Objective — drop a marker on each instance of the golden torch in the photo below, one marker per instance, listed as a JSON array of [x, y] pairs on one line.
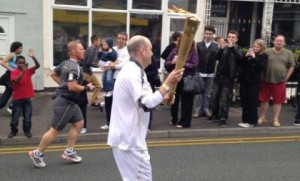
[[190, 28]]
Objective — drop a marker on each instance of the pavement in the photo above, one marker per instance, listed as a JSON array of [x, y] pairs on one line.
[[42, 114]]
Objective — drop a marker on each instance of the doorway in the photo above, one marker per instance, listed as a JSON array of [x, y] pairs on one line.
[[7, 33]]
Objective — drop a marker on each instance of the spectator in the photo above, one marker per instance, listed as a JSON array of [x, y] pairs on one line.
[[228, 56], [122, 59], [153, 79], [82, 103], [9, 62], [106, 55], [207, 51], [22, 92], [91, 60], [280, 67], [175, 39], [176, 36], [252, 66], [185, 98]]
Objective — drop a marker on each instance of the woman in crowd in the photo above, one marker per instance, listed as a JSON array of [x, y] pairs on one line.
[[252, 67], [9, 62], [186, 98]]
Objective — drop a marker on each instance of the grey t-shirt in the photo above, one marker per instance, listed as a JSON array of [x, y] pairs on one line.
[[64, 69], [278, 65]]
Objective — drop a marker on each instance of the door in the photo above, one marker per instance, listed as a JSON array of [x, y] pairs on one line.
[[6, 37]]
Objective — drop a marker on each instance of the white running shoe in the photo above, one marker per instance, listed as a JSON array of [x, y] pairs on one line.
[[102, 104], [9, 110], [73, 157], [108, 94], [83, 130], [38, 161], [105, 127], [241, 124], [246, 125]]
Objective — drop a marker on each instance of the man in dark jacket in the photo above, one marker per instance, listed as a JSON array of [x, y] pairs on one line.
[[91, 60], [228, 56], [207, 51]]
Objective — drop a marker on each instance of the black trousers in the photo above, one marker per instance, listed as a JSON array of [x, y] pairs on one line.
[[222, 90], [249, 99], [5, 81], [83, 108], [108, 105], [186, 107]]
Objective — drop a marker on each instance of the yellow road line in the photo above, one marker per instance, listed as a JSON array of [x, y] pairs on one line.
[[164, 143]]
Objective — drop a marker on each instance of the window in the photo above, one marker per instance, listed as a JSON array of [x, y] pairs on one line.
[[1, 30], [219, 8], [68, 25], [72, 2], [286, 19], [108, 24], [110, 4], [180, 6], [146, 4], [148, 25]]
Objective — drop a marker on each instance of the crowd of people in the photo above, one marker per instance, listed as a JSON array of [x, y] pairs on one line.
[[259, 74], [132, 88]]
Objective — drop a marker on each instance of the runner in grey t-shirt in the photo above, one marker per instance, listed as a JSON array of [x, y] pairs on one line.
[[67, 70], [65, 107]]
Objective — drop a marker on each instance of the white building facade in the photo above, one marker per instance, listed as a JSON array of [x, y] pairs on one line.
[[48, 25]]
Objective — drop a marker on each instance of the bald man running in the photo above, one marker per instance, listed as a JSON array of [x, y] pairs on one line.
[[66, 110]]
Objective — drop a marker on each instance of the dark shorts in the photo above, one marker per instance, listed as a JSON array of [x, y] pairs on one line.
[[65, 112], [276, 91]]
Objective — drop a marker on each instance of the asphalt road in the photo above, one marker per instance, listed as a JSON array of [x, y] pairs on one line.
[[235, 161]]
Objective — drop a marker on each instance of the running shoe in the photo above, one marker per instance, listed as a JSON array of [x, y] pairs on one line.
[[73, 157], [38, 161]]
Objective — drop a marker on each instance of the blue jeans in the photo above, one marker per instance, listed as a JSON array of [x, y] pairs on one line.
[[25, 106], [5, 81], [203, 100], [108, 80]]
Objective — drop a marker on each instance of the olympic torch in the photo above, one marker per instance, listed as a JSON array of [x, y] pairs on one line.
[[190, 28]]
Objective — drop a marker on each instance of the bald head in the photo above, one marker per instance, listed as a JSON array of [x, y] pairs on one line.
[[140, 48], [137, 42], [72, 45], [75, 50]]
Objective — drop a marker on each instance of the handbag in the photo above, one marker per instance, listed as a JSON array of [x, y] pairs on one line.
[[193, 84]]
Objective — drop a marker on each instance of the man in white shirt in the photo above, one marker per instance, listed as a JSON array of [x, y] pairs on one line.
[[122, 58], [133, 98]]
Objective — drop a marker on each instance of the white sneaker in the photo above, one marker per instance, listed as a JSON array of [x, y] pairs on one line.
[[102, 104], [108, 94], [9, 110], [105, 127], [71, 156], [246, 125], [83, 130], [241, 124]]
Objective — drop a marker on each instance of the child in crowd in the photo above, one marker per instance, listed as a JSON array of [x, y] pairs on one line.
[[106, 55], [22, 92]]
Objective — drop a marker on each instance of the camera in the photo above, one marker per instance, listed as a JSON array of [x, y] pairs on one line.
[[226, 40], [250, 49]]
